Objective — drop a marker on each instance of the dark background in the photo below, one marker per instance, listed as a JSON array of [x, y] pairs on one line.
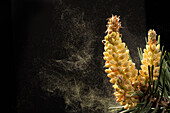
[[57, 57]]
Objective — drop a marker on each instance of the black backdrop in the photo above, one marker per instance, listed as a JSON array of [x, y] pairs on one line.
[[57, 50]]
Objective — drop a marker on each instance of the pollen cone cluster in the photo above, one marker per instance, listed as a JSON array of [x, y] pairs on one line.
[[151, 56], [120, 69]]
